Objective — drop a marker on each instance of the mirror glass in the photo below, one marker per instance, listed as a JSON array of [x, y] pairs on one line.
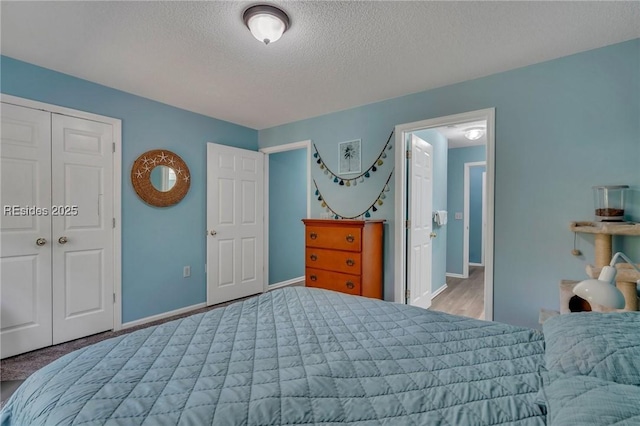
[[163, 178]]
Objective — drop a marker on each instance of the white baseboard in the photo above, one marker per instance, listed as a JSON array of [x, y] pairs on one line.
[[455, 275], [285, 283], [438, 291], [164, 315], [476, 264]]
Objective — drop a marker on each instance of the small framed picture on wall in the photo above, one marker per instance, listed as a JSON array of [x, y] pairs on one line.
[[349, 157]]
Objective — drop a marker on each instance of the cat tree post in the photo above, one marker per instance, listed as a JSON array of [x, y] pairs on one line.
[[603, 251]]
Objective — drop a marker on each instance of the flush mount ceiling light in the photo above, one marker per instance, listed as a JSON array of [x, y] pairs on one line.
[[474, 133], [266, 23]]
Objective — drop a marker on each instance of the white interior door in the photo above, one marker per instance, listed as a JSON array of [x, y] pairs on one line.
[[235, 223], [25, 246], [82, 234], [419, 191]]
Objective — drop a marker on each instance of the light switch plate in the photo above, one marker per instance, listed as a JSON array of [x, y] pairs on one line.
[[458, 216], [186, 272]]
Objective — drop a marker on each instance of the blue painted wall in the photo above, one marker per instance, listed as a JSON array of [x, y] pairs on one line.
[[554, 121], [156, 242], [455, 198], [287, 208], [439, 244], [475, 213]]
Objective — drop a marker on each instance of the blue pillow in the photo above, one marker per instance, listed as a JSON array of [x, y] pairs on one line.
[[603, 345], [584, 401]]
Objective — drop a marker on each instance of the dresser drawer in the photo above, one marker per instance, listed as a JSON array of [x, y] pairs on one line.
[[333, 281], [337, 238], [333, 260]]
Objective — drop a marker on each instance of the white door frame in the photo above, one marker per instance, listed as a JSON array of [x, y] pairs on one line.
[[117, 187], [484, 214], [273, 150], [401, 130], [467, 207]]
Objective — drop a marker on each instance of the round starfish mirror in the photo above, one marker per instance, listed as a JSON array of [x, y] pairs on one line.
[[160, 178]]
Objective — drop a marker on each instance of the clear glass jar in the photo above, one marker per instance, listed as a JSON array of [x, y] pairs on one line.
[[609, 202]]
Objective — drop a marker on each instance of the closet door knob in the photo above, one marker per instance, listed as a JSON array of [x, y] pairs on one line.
[[63, 240], [41, 242], [350, 238]]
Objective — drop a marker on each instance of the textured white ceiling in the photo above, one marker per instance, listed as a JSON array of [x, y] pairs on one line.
[[199, 55]]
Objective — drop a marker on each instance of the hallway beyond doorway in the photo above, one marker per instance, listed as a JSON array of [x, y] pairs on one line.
[[463, 296]]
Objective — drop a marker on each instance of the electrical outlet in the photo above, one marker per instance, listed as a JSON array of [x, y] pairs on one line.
[[186, 272], [458, 216]]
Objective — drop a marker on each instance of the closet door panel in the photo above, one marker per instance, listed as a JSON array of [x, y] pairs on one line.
[[25, 230], [82, 191]]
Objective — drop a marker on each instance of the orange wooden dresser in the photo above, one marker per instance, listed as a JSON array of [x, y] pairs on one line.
[[344, 255]]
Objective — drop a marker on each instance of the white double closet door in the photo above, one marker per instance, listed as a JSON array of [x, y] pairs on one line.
[[56, 248]]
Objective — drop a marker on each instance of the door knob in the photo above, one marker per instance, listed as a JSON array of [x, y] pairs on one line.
[[213, 233], [63, 240], [41, 241], [433, 235]]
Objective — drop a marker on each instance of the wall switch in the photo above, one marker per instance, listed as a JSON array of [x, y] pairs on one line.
[[186, 272], [458, 216]]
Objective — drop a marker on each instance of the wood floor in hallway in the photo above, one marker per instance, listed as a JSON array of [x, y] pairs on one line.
[[463, 296]]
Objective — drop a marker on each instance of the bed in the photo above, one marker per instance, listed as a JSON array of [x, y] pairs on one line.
[[300, 356]]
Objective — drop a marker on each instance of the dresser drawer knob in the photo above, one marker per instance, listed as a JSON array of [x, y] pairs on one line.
[[350, 262], [313, 278], [350, 285], [313, 257], [313, 235], [350, 238]]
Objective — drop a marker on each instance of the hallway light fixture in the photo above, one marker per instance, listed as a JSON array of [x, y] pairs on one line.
[[474, 133], [603, 291], [267, 23]]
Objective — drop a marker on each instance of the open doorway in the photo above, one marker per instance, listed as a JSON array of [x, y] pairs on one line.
[[462, 231], [287, 201]]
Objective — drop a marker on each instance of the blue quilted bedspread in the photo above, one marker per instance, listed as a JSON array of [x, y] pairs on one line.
[[295, 356]]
